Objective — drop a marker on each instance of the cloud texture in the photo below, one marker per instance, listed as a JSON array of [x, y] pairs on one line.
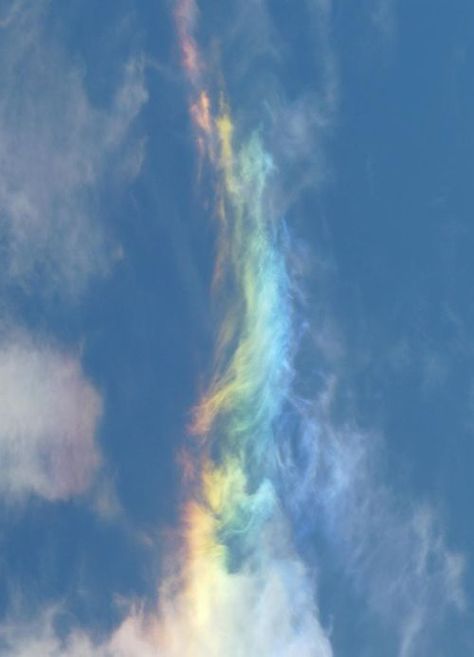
[[55, 148], [49, 414], [273, 475]]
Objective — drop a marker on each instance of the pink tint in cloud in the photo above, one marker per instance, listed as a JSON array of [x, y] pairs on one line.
[[49, 413]]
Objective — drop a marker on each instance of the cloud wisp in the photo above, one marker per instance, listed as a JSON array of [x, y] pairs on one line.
[[55, 148], [242, 472], [267, 469], [238, 586], [390, 550]]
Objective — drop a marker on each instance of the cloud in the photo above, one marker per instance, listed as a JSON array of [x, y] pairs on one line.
[[301, 125], [392, 549], [56, 149], [11, 13], [383, 18], [49, 413], [40, 639], [264, 609]]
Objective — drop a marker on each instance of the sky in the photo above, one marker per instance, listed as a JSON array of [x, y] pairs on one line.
[[237, 402]]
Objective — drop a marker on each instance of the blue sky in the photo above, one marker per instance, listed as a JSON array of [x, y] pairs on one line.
[[106, 340]]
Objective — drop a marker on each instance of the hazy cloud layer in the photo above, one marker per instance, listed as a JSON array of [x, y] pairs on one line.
[[55, 148]]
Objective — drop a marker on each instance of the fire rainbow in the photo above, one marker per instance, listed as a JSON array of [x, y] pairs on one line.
[[238, 560]]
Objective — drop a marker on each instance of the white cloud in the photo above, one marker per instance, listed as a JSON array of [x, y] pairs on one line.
[[39, 639], [392, 547], [266, 608], [48, 421], [56, 147]]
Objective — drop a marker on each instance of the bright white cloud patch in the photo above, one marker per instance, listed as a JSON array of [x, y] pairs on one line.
[[55, 148], [269, 611], [48, 421], [266, 609]]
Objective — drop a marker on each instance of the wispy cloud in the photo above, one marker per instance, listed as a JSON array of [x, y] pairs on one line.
[[392, 549], [49, 414], [56, 148], [267, 609]]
